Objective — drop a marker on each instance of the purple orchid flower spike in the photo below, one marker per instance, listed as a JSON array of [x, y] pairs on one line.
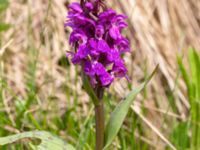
[[98, 41]]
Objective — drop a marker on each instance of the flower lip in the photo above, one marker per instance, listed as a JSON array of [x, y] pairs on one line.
[[89, 6], [99, 31], [108, 14], [79, 37], [114, 32], [75, 7], [123, 45]]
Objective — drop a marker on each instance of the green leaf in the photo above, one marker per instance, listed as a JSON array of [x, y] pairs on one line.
[[3, 5], [195, 68], [48, 141], [180, 136], [4, 27], [186, 77], [194, 61], [118, 115]]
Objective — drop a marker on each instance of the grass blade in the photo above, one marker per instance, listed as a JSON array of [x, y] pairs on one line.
[[195, 97], [185, 76]]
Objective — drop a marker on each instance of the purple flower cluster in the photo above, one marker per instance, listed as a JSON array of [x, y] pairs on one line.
[[97, 41]]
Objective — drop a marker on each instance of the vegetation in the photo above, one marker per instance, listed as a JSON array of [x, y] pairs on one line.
[[41, 90]]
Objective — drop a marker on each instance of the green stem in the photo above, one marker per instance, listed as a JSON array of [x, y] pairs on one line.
[[99, 116]]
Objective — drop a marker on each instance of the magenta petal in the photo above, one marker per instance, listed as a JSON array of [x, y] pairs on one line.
[[123, 45], [122, 25], [113, 55], [107, 14], [93, 43], [89, 6], [76, 7], [106, 79], [81, 54], [88, 69], [103, 46], [78, 36], [114, 33], [119, 69], [99, 68], [99, 31]]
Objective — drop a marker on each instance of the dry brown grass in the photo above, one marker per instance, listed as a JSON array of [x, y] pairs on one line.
[[158, 29]]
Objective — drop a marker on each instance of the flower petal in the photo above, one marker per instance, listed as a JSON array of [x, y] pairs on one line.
[[115, 33], [106, 79], [103, 46]]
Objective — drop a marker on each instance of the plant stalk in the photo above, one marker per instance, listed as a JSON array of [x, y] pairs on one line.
[[99, 118]]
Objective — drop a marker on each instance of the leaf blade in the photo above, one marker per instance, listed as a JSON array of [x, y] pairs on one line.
[[121, 110], [49, 141]]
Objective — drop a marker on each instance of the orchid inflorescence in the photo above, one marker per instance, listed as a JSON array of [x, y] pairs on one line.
[[97, 41]]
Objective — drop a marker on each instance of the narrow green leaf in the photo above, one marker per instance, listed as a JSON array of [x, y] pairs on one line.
[[4, 27], [180, 136], [186, 77], [195, 82], [118, 115], [192, 61], [48, 141], [195, 68]]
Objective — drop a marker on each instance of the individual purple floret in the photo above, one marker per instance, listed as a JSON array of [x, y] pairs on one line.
[[97, 41]]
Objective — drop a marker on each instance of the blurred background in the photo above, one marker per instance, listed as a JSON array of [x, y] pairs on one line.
[[41, 89]]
